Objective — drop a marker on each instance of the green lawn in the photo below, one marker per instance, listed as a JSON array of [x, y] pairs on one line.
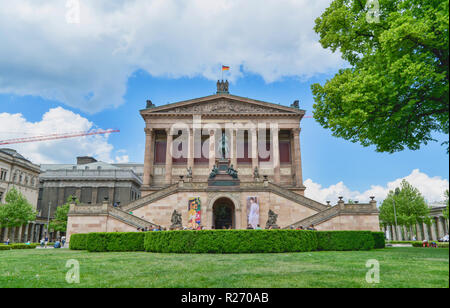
[[399, 267]]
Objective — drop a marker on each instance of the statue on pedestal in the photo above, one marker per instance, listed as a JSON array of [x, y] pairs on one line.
[[189, 173], [232, 172], [272, 220], [176, 220], [214, 172], [256, 174]]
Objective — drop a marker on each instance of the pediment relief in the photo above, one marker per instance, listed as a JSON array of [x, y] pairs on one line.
[[222, 106]]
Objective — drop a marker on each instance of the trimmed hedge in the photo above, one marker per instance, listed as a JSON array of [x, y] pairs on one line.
[[116, 241], [345, 240], [18, 246], [439, 244], [380, 240], [230, 241], [78, 241]]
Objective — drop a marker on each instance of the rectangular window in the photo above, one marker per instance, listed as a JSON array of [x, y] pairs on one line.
[[160, 152], [285, 152]]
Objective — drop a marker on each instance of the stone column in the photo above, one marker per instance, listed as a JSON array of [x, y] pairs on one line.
[[440, 227], [32, 232], [255, 161], [433, 229], [212, 149], [399, 233], [426, 233], [276, 154], [94, 195], [148, 161], [6, 234], [25, 235], [297, 157], [169, 156], [419, 232], [190, 158], [233, 152]]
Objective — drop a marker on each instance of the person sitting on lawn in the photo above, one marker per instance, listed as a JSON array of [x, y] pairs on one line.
[[57, 244]]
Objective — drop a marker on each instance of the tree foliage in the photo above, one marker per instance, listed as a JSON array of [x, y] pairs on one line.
[[59, 223], [395, 93], [445, 213], [17, 211], [410, 207]]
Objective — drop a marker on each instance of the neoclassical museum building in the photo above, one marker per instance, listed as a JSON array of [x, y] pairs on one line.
[[222, 161]]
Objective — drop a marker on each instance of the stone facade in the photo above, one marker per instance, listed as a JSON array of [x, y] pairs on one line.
[[89, 181], [18, 172], [186, 141]]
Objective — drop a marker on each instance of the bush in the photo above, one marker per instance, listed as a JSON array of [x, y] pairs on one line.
[[345, 240], [18, 246], [230, 241], [117, 241], [78, 241], [380, 241], [439, 244]]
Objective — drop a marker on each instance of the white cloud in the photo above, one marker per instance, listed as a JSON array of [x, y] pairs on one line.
[[56, 121], [87, 65], [432, 188]]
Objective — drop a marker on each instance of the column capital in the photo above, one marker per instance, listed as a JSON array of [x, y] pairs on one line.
[[148, 130], [296, 130]]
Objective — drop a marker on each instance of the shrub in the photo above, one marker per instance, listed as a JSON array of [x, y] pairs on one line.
[[18, 246], [78, 241], [439, 244], [380, 241], [117, 241], [230, 241], [345, 240]]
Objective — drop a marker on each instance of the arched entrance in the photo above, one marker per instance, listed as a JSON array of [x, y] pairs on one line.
[[223, 214]]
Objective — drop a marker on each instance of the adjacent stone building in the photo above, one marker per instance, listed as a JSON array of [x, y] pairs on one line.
[[18, 172], [90, 181], [223, 161]]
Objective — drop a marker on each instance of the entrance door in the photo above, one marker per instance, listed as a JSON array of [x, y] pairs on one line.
[[223, 214]]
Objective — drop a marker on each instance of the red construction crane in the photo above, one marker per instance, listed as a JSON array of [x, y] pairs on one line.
[[58, 136]]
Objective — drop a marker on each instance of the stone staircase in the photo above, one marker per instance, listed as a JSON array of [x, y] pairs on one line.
[[151, 198], [130, 219], [339, 209], [285, 193], [108, 210]]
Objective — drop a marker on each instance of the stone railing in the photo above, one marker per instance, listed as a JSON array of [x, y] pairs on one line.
[[130, 219], [108, 210], [151, 198], [339, 209], [297, 198]]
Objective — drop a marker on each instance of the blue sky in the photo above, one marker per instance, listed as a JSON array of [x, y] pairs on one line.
[[57, 75]]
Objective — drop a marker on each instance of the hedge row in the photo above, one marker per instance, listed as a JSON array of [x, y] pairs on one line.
[[18, 246], [117, 241], [439, 244], [78, 241], [380, 240], [228, 241]]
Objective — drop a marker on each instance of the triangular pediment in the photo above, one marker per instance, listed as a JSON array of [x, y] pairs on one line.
[[222, 104]]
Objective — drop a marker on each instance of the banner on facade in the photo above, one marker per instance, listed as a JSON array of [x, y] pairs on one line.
[[253, 212], [195, 213]]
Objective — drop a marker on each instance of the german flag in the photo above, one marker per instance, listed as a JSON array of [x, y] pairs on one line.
[[225, 68]]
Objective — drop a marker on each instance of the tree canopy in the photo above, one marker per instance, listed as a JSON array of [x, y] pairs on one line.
[[446, 202], [410, 206], [59, 223], [395, 94], [17, 211]]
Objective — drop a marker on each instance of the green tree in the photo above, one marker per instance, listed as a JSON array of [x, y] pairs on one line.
[[59, 223], [445, 213], [410, 207], [395, 93], [17, 211]]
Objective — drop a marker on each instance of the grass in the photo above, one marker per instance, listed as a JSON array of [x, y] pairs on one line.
[[399, 267]]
